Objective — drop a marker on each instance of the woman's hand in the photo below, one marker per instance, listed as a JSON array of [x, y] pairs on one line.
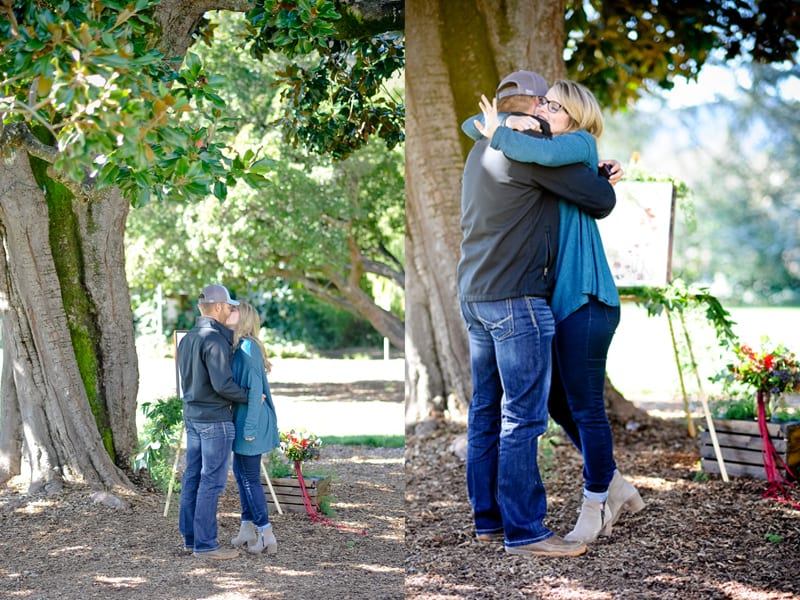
[[490, 119]]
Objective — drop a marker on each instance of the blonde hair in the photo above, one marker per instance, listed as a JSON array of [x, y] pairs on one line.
[[248, 327], [580, 104]]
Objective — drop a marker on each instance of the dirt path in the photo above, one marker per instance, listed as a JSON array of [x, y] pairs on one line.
[[69, 547], [327, 396]]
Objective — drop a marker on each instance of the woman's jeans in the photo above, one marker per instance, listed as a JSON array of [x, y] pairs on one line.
[[576, 400], [510, 353], [247, 471], [208, 451]]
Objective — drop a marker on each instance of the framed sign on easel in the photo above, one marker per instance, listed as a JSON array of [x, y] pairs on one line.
[[638, 241]]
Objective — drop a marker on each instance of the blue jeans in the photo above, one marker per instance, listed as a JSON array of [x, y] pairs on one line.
[[247, 471], [208, 450], [576, 400], [510, 354]]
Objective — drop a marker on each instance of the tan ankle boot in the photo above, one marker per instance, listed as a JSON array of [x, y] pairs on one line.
[[590, 522], [265, 538], [621, 496], [246, 535]]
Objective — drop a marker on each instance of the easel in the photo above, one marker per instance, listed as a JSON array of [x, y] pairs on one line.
[[650, 206], [177, 336]]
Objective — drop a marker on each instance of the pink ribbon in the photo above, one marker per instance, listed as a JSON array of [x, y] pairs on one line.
[[778, 486], [312, 512]]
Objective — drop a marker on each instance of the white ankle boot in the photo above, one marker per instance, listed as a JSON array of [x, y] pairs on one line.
[[590, 522], [265, 538], [621, 496], [247, 534]]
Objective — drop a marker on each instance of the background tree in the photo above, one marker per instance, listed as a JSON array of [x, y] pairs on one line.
[[737, 152], [93, 104], [617, 48], [332, 226]]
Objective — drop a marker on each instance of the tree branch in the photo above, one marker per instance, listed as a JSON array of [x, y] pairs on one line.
[[19, 135]]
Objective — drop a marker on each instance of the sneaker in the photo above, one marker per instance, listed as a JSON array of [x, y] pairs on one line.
[[219, 554], [488, 538], [552, 546]]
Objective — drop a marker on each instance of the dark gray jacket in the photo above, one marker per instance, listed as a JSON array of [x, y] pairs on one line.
[[204, 363], [509, 222]]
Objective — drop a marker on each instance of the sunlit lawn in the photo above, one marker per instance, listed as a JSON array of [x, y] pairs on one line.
[[642, 364]]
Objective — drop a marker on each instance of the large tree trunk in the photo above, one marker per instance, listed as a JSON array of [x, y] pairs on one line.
[[456, 51], [65, 378]]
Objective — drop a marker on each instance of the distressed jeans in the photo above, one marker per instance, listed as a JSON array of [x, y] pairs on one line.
[[576, 400], [208, 452], [511, 358]]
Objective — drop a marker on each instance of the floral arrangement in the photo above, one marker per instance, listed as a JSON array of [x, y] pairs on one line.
[[299, 446], [774, 371]]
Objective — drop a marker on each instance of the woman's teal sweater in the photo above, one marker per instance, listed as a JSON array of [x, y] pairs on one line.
[[257, 419]]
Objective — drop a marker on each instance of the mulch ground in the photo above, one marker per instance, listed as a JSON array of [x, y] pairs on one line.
[[69, 547], [698, 537]]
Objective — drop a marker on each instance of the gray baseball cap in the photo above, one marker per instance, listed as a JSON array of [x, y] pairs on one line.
[[213, 294], [522, 83]]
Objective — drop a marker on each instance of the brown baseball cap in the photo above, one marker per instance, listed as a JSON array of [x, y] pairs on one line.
[[522, 83]]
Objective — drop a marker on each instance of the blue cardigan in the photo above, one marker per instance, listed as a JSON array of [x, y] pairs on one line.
[[257, 419], [581, 265]]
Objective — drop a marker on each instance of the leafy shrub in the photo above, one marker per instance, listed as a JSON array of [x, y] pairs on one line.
[[160, 439]]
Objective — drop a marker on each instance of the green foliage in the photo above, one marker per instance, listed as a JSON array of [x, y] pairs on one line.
[[618, 47], [736, 154], [678, 297], [92, 75], [277, 465], [325, 507], [773, 538], [336, 103], [735, 406], [159, 439], [374, 441], [300, 317]]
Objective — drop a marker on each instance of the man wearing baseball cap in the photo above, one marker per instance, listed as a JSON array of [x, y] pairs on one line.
[[209, 391], [510, 224]]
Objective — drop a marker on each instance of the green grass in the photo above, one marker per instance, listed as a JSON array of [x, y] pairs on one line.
[[375, 441]]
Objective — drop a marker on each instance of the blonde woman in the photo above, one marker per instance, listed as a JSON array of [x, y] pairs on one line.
[[256, 430], [585, 301]]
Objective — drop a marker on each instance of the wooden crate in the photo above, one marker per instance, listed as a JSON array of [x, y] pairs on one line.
[[740, 444], [290, 496]]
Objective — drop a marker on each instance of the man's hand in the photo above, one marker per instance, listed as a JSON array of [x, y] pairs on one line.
[[616, 170], [522, 123]]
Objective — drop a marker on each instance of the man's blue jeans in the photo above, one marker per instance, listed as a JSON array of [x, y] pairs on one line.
[[576, 400], [247, 471], [510, 353], [208, 452]]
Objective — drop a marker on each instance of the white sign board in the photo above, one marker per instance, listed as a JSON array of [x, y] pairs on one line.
[[637, 235]]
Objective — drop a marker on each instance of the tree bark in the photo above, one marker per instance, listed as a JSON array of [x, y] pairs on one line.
[[456, 51], [10, 418], [61, 437]]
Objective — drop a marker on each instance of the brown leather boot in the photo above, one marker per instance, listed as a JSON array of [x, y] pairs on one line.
[[552, 546]]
